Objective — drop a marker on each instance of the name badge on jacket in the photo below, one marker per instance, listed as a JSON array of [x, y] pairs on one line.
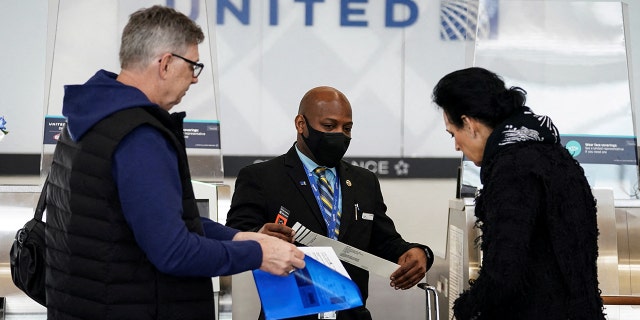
[[328, 315]]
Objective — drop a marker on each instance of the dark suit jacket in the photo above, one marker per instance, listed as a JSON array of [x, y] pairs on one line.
[[262, 188]]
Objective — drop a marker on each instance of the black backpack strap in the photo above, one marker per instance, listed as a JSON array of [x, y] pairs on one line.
[[42, 202]]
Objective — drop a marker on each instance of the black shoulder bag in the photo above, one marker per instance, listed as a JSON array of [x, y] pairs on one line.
[[28, 254]]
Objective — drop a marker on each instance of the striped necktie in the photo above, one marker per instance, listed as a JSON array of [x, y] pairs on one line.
[[326, 197]]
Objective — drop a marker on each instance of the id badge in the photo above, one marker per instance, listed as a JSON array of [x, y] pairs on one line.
[[328, 315]]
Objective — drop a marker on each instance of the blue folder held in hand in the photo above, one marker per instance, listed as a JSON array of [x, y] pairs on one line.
[[314, 289]]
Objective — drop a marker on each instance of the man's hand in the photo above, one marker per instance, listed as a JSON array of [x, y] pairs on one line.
[[413, 266], [279, 257], [279, 231]]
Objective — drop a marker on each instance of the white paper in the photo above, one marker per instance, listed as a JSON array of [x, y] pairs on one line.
[[346, 253], [326, 256]]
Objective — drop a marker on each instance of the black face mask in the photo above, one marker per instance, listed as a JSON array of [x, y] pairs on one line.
[[327, 147]]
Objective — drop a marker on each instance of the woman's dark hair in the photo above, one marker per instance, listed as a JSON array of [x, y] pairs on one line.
[[477, 93]]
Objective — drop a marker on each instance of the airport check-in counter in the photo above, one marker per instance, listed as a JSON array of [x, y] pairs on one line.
[[618, 260], [627, 220], [17, 203]]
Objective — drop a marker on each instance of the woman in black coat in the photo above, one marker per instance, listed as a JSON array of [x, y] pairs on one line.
[[536, 210]]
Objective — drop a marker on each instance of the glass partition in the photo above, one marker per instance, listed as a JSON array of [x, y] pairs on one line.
[[571, 58], [84, 37]]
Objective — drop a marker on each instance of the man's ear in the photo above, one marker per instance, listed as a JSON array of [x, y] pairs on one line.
[[300, 123], [163, 65]]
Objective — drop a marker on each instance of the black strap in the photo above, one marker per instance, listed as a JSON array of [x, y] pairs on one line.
[[42, 202]]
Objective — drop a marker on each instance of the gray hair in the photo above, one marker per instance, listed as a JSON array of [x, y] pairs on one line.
[[153, 31]]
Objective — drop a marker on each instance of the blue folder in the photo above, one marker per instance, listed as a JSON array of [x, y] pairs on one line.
[[314, 289]]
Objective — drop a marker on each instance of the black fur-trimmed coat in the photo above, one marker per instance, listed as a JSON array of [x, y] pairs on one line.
[[539, 229]]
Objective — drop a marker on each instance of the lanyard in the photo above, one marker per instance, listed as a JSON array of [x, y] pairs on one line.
[[330, 218]]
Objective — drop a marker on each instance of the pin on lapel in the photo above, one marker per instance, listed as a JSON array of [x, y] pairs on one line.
[[348, 182], [303, 183]]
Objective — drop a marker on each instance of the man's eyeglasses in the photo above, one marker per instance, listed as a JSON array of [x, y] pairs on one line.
[[197, 66]]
